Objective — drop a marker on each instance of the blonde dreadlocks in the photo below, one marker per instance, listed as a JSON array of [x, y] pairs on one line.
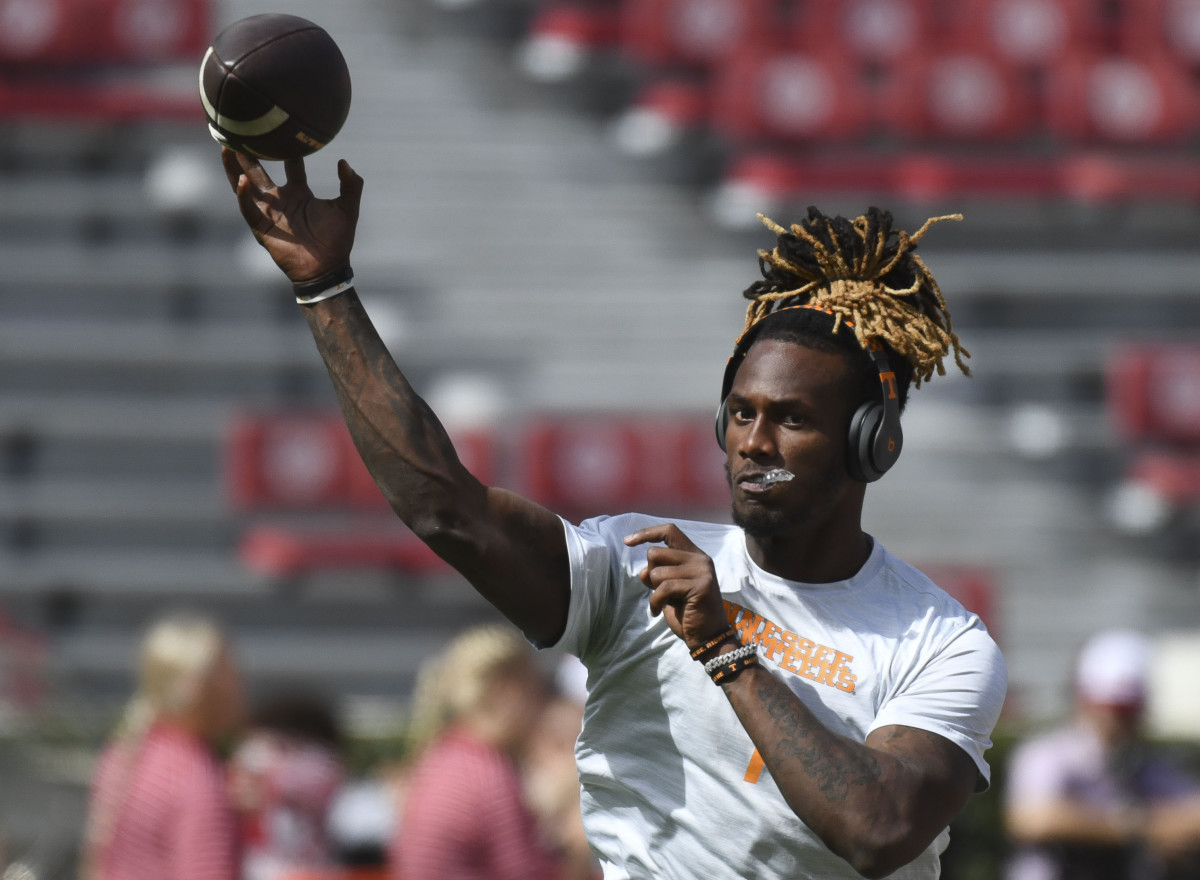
[[867, 274]]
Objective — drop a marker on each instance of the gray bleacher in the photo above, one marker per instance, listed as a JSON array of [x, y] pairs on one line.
[[501, 234]]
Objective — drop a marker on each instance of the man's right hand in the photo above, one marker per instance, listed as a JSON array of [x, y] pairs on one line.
[[307, 237]]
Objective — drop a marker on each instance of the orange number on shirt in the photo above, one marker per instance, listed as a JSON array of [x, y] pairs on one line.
[[755, 769]]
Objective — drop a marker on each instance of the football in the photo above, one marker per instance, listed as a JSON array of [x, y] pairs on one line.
[[274, 87]]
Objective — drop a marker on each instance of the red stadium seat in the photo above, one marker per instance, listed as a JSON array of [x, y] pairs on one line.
[[1172, 477], [1154, 393], [289, 461], [283, 552], [307, 461], [958, 96], [75, 99], [1163, 27], [867, 31], [45, 31], [790, 97], [563, 38], [661, 116], [1028, 33], [73, 32], [1121, 99], [694, 33], [591, 465], [156, 30]]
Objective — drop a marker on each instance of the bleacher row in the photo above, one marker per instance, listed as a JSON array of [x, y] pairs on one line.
[[279, 465], [311, 505], [283, 465], [929, 99]]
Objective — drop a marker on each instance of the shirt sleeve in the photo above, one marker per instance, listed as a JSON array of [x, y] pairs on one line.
[[958, 694], [591, 555]]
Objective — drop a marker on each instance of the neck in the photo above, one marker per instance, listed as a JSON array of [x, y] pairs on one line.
[[822, 557]]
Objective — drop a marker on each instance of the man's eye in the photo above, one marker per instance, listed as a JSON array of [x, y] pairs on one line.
[[741, 415]]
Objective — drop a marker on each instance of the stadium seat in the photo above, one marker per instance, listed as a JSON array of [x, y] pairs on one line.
[[288, 461], [584, 466], [790, 97], [1154, 393], [958, 96], [696, 34], [85, 99], [1168, 28], [1121, 100], [1027, 33], [307, 461], [44, 32], [866, 32], [156, 30], [73, 32], [288, 552], [564, 38]]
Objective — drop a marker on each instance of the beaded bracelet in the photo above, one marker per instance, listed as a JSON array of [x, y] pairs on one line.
[[716, 641]]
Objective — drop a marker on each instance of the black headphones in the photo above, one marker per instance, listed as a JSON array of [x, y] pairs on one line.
[[875, 438]]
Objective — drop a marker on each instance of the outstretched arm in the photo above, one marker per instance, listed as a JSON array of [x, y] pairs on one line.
[[878, 804], [512, 550]]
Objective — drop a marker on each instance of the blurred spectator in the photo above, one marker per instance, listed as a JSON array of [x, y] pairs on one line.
[[159, 808], [284, 777], [465, 815], [1093, 799], [551, 777]]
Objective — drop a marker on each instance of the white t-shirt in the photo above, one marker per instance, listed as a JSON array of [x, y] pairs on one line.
[[672, 785]]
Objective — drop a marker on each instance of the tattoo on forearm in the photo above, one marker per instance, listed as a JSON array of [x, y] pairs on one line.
[[834, 764], [389, 422]]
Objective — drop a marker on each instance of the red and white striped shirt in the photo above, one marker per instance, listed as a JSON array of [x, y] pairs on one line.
[[465, 818], [173, 817]]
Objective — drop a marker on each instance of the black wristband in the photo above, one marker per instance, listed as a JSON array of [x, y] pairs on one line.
[[731, 670], [699, 652], [328, 285]]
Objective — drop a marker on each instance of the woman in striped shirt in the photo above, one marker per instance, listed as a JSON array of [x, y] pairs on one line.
[[159, 808]]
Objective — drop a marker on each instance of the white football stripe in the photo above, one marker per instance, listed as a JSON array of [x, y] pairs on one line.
[[264, 124]]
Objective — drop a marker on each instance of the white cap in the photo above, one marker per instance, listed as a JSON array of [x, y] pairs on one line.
[[1113, 667]]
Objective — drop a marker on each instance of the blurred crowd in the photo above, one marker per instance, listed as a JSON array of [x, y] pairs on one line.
[[195, 784]]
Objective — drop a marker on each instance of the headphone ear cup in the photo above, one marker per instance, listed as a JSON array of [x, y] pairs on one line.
[[722, 424], [864, 427]]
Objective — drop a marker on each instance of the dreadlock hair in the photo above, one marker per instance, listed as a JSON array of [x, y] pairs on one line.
[[867, 276]]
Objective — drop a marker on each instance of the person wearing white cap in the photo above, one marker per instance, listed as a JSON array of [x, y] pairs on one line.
[[1092, 799]]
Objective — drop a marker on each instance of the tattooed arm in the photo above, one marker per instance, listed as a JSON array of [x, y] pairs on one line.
[[512, 550], [877, 804]]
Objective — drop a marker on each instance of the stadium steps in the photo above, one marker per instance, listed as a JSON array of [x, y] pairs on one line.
[[511, 241]]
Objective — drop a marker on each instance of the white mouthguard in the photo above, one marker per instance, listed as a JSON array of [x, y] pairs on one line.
[[777, 475]]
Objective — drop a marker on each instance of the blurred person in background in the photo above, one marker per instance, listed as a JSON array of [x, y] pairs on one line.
[[284, 777], [160, 808], [551, 779], [1093, 800], [465, 815]]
